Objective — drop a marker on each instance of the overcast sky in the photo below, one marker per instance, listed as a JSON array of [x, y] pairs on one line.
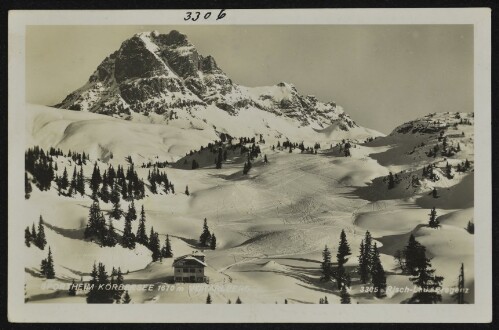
[[381, 75]]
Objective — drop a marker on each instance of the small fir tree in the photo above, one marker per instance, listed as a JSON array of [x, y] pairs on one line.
[[27, 187], [428, 285], [378, 277], [126, 298], [213, 242], [345, 296], [205, 235], [166, 251], [326, 265], [141, 231], [41, 241], [433, 222], [72, 288]]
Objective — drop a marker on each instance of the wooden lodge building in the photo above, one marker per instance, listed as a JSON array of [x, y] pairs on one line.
[[190, 268]]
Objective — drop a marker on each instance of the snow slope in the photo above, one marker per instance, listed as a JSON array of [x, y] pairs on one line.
[[271, 225]]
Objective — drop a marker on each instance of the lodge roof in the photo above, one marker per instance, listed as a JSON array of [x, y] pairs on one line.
[[188, 257]]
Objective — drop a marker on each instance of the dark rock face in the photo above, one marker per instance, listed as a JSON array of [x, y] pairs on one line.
[[154, 72], [135, 61]]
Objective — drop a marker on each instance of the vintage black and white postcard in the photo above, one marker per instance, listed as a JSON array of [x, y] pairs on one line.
[[179, 162]]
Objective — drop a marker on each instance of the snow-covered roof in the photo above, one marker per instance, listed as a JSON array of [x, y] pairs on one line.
[[188, 257]]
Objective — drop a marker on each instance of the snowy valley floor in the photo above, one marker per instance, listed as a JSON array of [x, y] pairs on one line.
[[271, 228]]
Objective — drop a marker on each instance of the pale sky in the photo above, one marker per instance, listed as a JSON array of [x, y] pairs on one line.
[[382, 75]]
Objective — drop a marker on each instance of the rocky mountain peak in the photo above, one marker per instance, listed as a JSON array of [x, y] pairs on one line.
[[160, 73]]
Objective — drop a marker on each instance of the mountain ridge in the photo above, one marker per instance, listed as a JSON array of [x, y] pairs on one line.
[[163, 74]]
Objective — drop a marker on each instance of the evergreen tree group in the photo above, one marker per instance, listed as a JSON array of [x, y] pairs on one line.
[[370, 267], [412, 257], [105, 289], [39, 163], [159, 179], [323, 300], [96, 228], [34, 237]]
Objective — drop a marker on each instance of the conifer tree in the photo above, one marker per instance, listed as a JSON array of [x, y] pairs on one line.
[[72, 288], [213, 242], [326, 265], [342, 278], [41, 241], [96, 179], [131, 213], [34, 235], [118, 292], [93, 294], [80, 186], [74, 183], [433, 222], [27, 186], [154, 189], [64, 180], [115, 198], [378, 278], [48, 270], [428, 285], [110, 238], [141, 231], [154, 245], [27, 237], [459, 295], [94, 221], [205, 235], [126, 298], [343, 249], [166, 251], [363, 269], [470, 228], [345, 296], [414, 255], [238, 300], [104, 192], [128, 238], [391, 181], [365, 258], [208, 299]]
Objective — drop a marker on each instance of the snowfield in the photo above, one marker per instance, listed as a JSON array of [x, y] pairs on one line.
[[271, 224]]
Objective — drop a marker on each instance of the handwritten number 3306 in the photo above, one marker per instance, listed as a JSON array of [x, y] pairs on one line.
[[194, 16]]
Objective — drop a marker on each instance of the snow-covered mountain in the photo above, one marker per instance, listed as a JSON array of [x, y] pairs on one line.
[[161, 78]]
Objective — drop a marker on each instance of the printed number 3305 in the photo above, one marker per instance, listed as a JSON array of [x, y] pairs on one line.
[[194, 16]]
